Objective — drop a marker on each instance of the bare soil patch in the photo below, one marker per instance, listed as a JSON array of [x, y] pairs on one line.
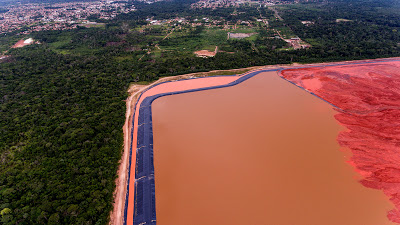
[[22, 43]]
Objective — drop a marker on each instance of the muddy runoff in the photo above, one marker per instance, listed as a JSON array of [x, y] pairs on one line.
[[261, 152]]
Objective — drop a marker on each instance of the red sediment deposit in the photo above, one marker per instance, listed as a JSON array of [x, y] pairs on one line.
[[368, 99]]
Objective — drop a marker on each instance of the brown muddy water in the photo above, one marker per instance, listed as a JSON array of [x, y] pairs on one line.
[[261, 152]]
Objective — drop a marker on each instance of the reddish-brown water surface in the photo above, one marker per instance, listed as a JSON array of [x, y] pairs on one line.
[[181, 85], [260, 152], [369, 96]]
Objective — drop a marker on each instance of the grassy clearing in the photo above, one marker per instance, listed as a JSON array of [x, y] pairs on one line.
[[156, 53], [95, 25], [252, 38], [7, 41], [343, 20], [308, 7], [155, 36], [207, 40], [243, 30], [62, 40], [286, 32], [182, 44], [63, 52], [122, 58], [214, 37], [209, 48], [313, 42]]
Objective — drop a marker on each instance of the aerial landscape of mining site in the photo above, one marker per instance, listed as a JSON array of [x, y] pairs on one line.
[[244, 169], [200, 112]]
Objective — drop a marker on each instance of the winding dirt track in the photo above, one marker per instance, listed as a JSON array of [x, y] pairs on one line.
[[121, 182]]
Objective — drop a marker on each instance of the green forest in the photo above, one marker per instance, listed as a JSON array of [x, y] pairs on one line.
[[62, 101]]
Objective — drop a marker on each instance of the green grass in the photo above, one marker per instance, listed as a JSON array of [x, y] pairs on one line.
[[143, 82], [155, 36], [214, 37], [97, 25], [156, 53], [183, 44], [227, 73], [122, 58], [243, 30], [308, 6], [343, 20], [207, 40], [286, 49], [63, 52], [62, 40], [62, 45], [157, 26], [209, 48], [7, 41], [286, 32], [252, 38], [312, 42]]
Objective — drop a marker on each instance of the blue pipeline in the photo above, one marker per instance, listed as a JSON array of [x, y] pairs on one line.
[[144, 196]]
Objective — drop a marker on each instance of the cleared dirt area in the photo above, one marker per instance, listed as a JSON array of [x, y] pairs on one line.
[[121, 182], [206, 53], [22, 43]]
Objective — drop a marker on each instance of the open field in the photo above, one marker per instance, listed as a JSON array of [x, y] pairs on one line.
[[89, 25]]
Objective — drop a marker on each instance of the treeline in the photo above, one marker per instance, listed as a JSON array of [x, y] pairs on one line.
[[60, 137], [369, 31], [385, 12]]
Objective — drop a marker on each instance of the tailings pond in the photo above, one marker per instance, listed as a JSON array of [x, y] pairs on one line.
[[261, 152]]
